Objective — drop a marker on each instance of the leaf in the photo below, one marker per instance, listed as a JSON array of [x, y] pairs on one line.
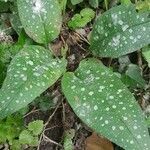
[[4, 7], [27, 138], [94, 3], [14, 18], [127, 2], [120, 31], [36, 127], [88, 12], [4, 53], [143, 5], [44, 102], [146, 54], [15, 22], [41, 19], [3, 137], [80, 20], [63, 4], [3, 73], [68, 144], [95, 142], [134, 73], [75, 2], [15, 145], [102, 101], [30, 73], [4, 60], [129, 82], [10, 128]]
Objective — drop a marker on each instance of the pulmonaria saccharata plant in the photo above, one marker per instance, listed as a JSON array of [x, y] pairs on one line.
[[96, 94], [104, 103]]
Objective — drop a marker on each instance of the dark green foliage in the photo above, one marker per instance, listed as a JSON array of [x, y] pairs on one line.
[[30, 73], [104, 103], [96, 93], [10, 128], [120, 31]]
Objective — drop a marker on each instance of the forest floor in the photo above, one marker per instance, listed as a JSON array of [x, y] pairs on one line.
[[61, 123]]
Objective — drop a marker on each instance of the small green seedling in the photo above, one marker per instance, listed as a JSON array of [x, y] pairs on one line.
[[81, 20], [30, 135]]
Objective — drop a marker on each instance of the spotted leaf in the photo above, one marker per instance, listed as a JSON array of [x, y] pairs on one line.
[[103, 102], [30, 73], [119, 31], [41, 19]]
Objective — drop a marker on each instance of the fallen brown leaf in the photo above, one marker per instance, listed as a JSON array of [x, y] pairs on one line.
[[95, 142]]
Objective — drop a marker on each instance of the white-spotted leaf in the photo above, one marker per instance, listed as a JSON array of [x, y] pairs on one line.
[[30, 73], [103, 102], [119, 31], [41, 19]]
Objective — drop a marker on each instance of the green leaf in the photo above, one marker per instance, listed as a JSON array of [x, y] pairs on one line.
[[15, 22], [4, 7], [146, 54], [134, 73], [120, 31], [36, 127], [75, 2], [4, 53], [4, 60], [63, 4], [127, 2], [41, 19], [143, 5], [44, 102], [30, 73], [27, 138], [94, 3], [3, 137], [129, 82], [3, 70], [68, 144], [102, 101], [10, 128], [14, 18], [15, 145], [88, 12], [80, 20]]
